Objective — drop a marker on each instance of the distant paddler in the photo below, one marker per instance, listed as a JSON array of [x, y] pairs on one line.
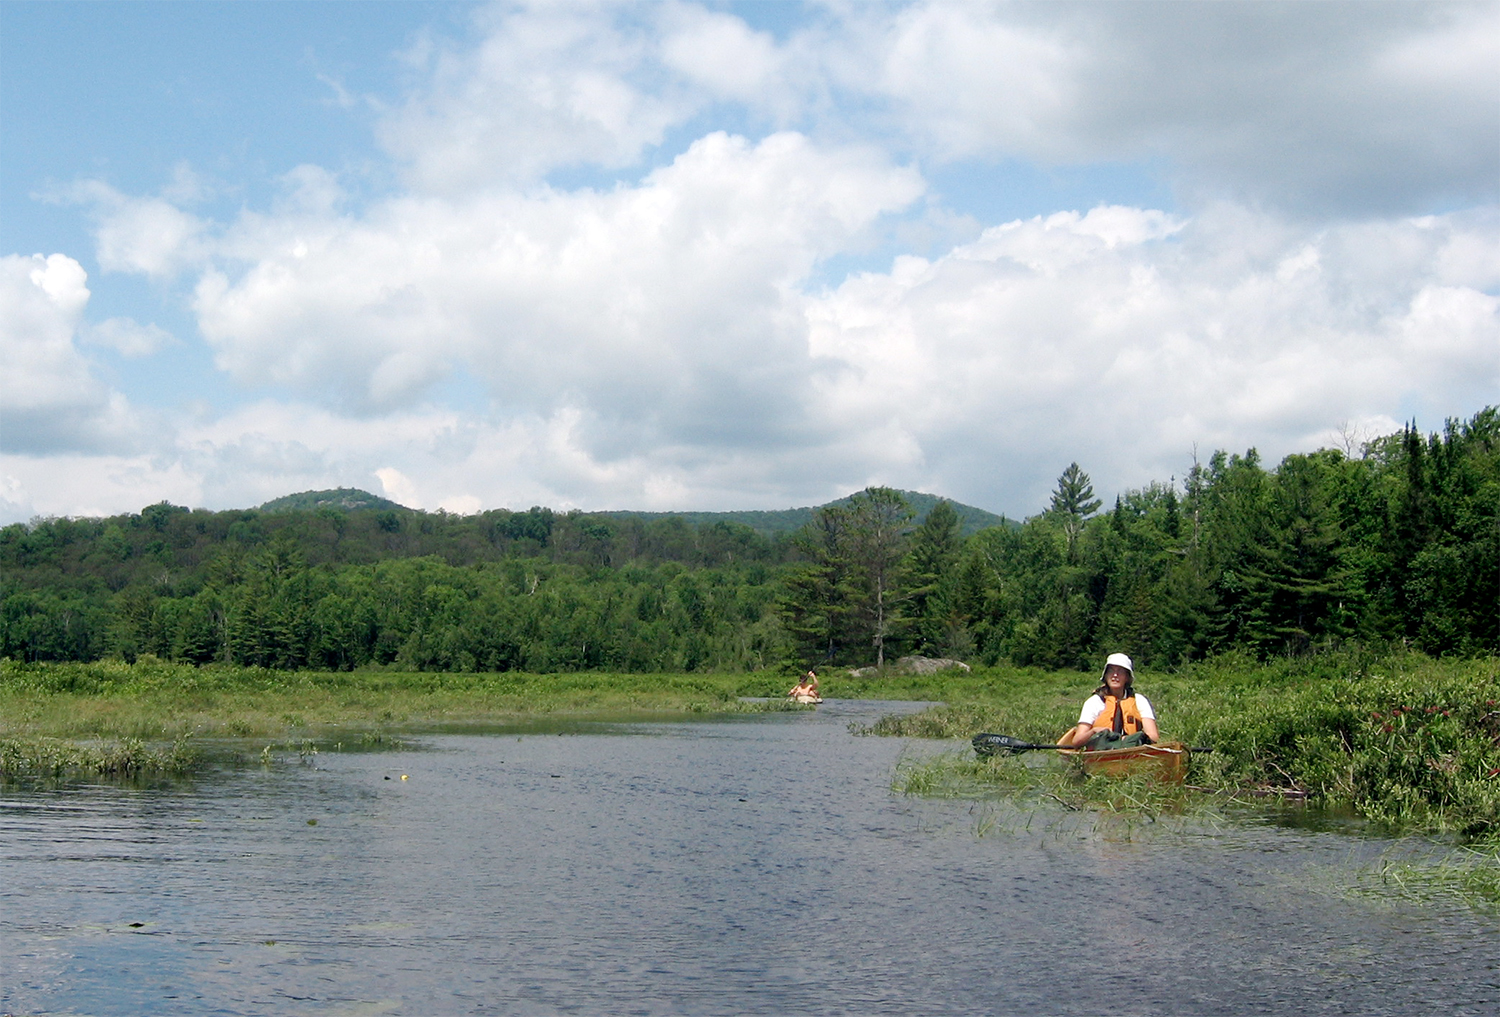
[[806, 690], [1115, 716]]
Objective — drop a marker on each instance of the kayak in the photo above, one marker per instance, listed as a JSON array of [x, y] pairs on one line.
[[1166, 760], [806, 700]]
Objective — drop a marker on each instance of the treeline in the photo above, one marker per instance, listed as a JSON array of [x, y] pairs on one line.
[[1399, 544], [534, 590]]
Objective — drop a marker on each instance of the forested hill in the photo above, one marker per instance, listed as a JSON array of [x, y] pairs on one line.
[[767, 523], [1397, 544], [787, 521], [347, 499]]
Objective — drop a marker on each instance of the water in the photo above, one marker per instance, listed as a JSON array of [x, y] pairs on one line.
[[751, 865]]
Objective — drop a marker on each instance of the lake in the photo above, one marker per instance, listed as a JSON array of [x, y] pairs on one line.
[[754, 864]]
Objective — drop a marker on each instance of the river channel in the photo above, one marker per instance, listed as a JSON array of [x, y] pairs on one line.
[[757, 864]]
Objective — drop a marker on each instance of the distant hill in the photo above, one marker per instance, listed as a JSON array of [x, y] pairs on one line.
[[777, 523], [346, 498], [765, 522]]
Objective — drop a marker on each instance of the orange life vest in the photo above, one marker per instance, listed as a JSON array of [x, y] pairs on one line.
[[1119, 716]]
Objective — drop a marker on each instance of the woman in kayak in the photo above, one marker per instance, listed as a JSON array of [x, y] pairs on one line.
[[1114, 709], [806, 691]]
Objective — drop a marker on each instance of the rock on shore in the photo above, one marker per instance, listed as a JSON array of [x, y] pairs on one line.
[[911, 665]]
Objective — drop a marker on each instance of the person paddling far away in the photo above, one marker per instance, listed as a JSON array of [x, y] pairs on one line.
[[806, 691], [1114, 712]]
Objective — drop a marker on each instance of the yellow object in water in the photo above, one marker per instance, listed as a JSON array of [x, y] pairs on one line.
[[403, 776]]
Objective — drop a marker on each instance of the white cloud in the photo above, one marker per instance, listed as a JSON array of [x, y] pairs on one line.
[[1045, 341], [1122, 338], [151, 236], [659, 343], [673, 296], [720, 53], [397, 486], [1313, 107], [548, 86], [126, 336], [50, 400]]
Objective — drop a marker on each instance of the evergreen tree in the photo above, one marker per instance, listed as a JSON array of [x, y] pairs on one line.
[[935, 549], [1073, 502]]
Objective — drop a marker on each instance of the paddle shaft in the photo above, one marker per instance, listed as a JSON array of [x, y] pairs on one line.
[[1016, 745]]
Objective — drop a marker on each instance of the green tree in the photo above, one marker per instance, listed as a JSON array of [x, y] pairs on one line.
[[877, 546], [935, 548], [1073, 502]]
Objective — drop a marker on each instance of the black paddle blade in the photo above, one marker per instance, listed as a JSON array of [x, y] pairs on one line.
[[994, 744]]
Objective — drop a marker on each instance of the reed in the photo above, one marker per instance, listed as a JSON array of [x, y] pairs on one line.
[[95, 717], [128, 759], [1408, 742], [1469, 874]]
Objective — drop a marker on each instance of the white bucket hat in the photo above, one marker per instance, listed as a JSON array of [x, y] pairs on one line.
[[1121, 660]]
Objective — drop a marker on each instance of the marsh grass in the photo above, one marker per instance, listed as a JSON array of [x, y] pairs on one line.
[[152, 700], [1409, 743], [1008, 798], [109, 716], [1470, 875], [1063, 784], [1427, 874], [123, 760]]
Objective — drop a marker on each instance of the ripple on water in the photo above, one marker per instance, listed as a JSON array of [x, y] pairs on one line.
[[758, 865]]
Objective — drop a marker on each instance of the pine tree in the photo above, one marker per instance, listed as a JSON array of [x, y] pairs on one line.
[[934, 549], [1073, 502]]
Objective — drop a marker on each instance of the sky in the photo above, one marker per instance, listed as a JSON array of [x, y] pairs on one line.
[[713, 256]]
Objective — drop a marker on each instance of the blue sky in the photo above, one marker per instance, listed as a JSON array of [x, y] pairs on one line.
[[687, 256]]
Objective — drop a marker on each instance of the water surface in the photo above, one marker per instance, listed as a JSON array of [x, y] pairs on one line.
[[758, 864]]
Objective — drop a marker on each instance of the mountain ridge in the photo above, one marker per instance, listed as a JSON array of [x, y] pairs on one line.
[[767, 522]]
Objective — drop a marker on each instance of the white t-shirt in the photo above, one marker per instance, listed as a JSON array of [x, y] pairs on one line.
[[1095, 706]]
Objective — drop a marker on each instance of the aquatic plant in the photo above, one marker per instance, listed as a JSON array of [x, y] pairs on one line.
[[1468, 874], [1408, 742], [131, 758]]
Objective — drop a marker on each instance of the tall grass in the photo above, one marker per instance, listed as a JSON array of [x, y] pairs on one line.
[[1404, 740], [110, 717], [127, 759]]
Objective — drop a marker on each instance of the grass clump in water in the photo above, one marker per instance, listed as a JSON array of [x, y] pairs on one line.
[[1469, 875], [128, 759], [1405, 741], [1011, 777]]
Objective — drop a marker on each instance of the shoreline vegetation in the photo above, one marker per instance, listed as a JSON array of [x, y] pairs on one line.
[[1401, 743], [1402, 740]]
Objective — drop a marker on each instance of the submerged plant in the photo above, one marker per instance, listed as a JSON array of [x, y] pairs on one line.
[[1470, 875]]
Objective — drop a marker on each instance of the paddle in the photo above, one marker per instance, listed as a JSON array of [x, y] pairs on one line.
[[993, 744]]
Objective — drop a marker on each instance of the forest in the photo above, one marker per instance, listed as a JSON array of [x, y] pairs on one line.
[[1396, 542]]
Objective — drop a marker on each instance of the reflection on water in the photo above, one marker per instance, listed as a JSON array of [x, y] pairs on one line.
[[755, 865]]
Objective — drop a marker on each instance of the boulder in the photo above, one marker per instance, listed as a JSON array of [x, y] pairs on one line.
[[928, 665], [911, 665]]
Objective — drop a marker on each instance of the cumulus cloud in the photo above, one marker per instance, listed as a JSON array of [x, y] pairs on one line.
[[664, 305], [50, 400], [1119, 337], [147, 235], [1309, 107], [1317, 108], [126, 336], [548, 86], [1123, 338], [660, 342]]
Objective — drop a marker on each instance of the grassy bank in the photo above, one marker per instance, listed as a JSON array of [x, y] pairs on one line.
[[1406, 741], [114, 718]]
